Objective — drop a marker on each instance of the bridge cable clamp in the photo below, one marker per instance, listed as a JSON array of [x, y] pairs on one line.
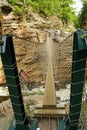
[[84, 37]]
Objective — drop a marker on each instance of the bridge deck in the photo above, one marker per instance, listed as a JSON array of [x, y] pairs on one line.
[[50, 123]]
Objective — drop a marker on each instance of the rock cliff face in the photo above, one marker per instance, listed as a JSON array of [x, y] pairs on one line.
[[5, 7], [2, 76], [29, 37], [26, 37]]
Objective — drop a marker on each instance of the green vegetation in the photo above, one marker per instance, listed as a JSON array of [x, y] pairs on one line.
[[83, 14], [82, 17], [18, 10], [62, 9]]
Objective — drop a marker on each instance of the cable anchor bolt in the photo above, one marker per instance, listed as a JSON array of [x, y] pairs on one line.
[[84, 37]]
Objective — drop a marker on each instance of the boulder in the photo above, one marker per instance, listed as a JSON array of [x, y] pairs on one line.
[[2, 76], [5, 7]]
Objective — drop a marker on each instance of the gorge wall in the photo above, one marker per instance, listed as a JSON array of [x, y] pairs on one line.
[[29, 37]]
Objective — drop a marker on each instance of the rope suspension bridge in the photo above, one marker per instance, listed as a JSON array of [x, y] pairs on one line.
[[50, 115]]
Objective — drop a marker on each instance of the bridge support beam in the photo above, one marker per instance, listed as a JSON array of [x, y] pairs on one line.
[[12, 78], [77, 78]]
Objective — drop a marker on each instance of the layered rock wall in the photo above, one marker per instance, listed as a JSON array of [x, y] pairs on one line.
[[29, 37], [26, 38]]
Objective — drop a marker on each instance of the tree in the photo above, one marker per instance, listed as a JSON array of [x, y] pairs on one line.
[[60, 8], [83, 14]]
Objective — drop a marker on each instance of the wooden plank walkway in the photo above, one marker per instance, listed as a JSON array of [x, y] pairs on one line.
[[47, 123], [50, 94]]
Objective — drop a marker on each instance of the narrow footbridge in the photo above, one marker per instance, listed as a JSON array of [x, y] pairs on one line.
[[49, 116]]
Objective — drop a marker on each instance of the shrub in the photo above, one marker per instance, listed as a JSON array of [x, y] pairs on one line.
[[19, 10]]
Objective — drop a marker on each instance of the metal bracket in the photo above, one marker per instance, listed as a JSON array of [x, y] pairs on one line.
[[80, 38], [86, 41], [3, 44], [84, 37]]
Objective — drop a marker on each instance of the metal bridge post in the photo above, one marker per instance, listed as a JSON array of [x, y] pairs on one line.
[[77, 78], [12, 78]]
